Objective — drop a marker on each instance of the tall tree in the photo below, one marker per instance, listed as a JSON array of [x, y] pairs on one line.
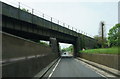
[[102, 32], [114, 35]]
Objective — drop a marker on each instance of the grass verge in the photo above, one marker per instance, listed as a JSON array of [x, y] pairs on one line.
[[113, 50]]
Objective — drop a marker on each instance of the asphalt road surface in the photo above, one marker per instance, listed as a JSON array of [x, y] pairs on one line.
[[71, 67]]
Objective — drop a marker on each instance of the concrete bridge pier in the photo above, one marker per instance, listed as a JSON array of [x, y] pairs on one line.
[[77, 46], [54, 45]]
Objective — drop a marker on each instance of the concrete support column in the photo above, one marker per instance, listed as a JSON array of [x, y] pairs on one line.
[[58, 47], [77, 46], [54, 45]]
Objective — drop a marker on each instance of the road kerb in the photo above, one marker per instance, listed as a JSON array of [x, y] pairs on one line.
[[105, 68]]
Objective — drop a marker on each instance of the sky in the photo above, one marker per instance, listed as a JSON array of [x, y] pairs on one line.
[[84, 15]]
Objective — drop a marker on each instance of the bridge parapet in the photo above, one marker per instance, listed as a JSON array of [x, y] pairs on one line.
[[16, 13]]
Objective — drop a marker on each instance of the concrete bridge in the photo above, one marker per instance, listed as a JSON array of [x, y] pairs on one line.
[[29, 26], [17, 24]]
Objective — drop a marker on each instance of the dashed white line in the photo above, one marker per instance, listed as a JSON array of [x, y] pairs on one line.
[[54, 69]]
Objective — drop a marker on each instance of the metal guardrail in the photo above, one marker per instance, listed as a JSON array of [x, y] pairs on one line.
[[43, 15]]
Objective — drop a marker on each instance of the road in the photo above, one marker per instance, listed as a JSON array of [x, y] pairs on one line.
[[71, 67]]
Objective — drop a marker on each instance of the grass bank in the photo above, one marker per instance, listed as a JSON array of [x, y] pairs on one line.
[[113, 50]]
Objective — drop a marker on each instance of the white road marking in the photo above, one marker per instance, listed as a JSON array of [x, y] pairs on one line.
[[87, 65], [54, 69], [98, 71]]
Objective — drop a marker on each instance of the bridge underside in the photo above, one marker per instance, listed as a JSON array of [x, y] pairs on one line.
[[35, 33]]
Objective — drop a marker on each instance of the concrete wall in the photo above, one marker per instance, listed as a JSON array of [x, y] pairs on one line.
[[104, 59], [23, 58]]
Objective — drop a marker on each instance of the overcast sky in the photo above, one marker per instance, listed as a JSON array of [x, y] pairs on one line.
[[84, 15]]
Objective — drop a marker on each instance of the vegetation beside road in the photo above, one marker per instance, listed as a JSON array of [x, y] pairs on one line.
[[68, 49], [113, 50], [105, 45], [112, 41], [43, 43]]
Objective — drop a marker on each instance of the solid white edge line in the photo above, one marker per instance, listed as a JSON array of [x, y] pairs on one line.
[[95, 71], [54, 69], [100, 74], [91, 68]]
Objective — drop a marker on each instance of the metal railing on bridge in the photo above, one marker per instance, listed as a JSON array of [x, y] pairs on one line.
[[43, 15]]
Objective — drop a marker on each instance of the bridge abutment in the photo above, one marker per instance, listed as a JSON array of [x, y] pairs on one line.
[[54, 45], [77, 46]]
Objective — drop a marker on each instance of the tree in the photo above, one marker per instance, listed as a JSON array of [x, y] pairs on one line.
[[100, 42], [114, 36], [102, 33], [26, 10], [43, 43], [68, 49]]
